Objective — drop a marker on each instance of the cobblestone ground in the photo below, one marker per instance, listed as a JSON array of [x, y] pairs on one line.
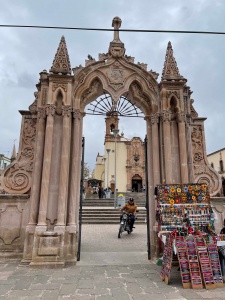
[[109, 269], [98, 238]]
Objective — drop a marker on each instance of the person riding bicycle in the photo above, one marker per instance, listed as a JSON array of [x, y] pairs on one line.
[[131, 208]]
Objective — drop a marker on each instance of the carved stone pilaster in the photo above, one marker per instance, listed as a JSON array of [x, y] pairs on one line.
[[41, 113], [77, 114], [66, 111], [166, 116], [44, 96], [50, 109], [181, 117], [154, 118]]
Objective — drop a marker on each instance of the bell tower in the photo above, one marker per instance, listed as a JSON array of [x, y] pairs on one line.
[[112, 122]]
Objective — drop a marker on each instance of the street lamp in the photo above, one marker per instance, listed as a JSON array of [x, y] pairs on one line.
[[108, 150], [104, 158], [115, 133]]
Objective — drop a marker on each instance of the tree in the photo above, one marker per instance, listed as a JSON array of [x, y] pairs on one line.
[[87, 171]]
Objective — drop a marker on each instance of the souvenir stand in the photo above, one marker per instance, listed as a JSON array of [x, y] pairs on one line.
[[185, 218]]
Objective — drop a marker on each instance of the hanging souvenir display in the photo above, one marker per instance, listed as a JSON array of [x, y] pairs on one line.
[[183, 207]]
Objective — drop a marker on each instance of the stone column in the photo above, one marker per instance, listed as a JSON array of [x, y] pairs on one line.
[[182, 147], [189, 152], [36, 184], [64, 168], [166, 115], [75, 166], [151, 188], [50, 112], [155, 148], [79, 168]]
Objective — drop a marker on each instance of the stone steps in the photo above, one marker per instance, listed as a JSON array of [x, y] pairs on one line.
[[102, 211]]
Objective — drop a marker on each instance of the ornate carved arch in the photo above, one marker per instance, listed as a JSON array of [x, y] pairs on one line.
[[116, 78]]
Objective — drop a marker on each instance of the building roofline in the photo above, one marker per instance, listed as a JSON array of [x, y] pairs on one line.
[[216, 152]]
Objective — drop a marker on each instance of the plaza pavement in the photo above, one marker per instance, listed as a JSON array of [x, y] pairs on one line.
[[109, 269]]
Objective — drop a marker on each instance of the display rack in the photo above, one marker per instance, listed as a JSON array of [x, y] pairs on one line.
[[205, 263], [215, 263], [195, 272], [167, 259], [183, 261]]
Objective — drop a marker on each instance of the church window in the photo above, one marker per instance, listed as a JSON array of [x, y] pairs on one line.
[[221, 166], [212, 165], [112, 127]]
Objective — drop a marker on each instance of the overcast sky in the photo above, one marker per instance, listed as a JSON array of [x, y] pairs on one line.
[[24, 53]]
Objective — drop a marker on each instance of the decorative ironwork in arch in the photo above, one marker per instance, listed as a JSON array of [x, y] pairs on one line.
[[104, 105]]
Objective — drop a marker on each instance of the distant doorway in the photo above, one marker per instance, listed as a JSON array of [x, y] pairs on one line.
[[136, 183]]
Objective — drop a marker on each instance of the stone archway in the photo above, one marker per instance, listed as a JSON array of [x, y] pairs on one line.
[[48, 165], [136, 183]]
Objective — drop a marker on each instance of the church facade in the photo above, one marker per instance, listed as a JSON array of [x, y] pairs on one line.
[[122, 156]]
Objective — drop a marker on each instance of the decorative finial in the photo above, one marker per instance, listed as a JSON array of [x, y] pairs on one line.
[[116, 48], [116, 23], [61, 63]]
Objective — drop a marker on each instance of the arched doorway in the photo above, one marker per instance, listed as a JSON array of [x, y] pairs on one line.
[[136, 183], [53, 127]]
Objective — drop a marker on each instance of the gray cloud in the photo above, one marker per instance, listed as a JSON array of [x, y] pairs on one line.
[[26, 52]]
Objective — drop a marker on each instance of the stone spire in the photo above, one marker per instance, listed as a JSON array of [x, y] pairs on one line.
[[61, 63], [13, 156], [170, 69], [116, 47]]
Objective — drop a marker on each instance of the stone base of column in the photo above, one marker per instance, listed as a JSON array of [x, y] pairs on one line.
[[28, 244], [50, 248], [153, 244]]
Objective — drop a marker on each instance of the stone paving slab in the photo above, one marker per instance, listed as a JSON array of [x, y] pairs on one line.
[[100, 275]]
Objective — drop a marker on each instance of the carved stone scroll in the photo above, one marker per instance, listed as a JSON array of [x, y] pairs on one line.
[[16, 178], [203, 173]]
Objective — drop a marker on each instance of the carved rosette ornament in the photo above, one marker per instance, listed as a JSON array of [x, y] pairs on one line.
[[203, 173], [16, 178], [66, 111], [166, 116], [50, 109]]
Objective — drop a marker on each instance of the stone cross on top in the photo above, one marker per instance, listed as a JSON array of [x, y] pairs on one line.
[[116, 23]]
